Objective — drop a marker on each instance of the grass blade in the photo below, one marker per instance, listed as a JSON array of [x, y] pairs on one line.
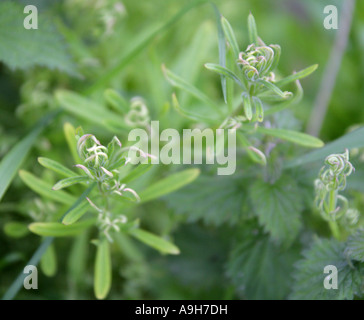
[[44, 188], [14, 159]]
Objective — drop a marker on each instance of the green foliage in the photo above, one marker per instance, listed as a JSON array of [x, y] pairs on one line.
[[259, 268], [22, 48], [309, 274], [355, 246]]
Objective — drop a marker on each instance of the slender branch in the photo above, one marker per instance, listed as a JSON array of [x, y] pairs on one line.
[[331, 70]]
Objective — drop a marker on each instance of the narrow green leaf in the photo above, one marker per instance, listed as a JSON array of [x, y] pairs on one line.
[[64, 183], [70, 134], [11, 163], [178, 82], [247, 106], [88, 109], [296, 99], [349, 141], [45, 189], [138, 47], [137, 172], [76, 213], [154, 241], [169, 184], [48, 262], [254, 154], [274, 88], [223, 71], [102, 276], [230, 36], [186, 113], [56, 167], [77, 260], [296, 76], [57, 229], [252, 29], [115, 100], [300, 138], [16, 229]]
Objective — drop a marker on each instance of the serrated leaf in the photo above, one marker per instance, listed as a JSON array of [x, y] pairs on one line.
[[56, 167], [57, 229], [214, 200], [278, 207], [300, 138], [45, 189], [260, 269], [48, 262], [102, 276], [154, 241], [169, 184], [64, 183], [309, 275], [22, 48], [16, 229], [76, 213], [355, 246]]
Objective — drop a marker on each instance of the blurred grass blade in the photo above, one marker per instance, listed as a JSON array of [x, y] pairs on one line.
[[115, 100], [16, 229], [48, 262], [252, 29], [230, 36], [223, 71], [188, 114], [56, 167], [70, 134], [64, 183], [102, 277], [137, 172], [300, 138], [180, 83], [137, 48], [349, 141], [296, 76], [154, 241], [57, 229], [222, 50], [11, 163], [76, 213], [88, 109], [78, 258], [45, 189], [34, 260], [169, 184]]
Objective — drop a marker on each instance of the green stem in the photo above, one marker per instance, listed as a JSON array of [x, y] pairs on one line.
[[332, 223]]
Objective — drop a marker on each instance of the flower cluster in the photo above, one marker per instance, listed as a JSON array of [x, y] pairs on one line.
[[332, 179]]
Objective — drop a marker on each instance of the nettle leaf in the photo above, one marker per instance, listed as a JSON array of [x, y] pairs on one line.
[[309, 275], [355, 246], [22, 48], [278, 207], [260, 269], [215, 200]]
